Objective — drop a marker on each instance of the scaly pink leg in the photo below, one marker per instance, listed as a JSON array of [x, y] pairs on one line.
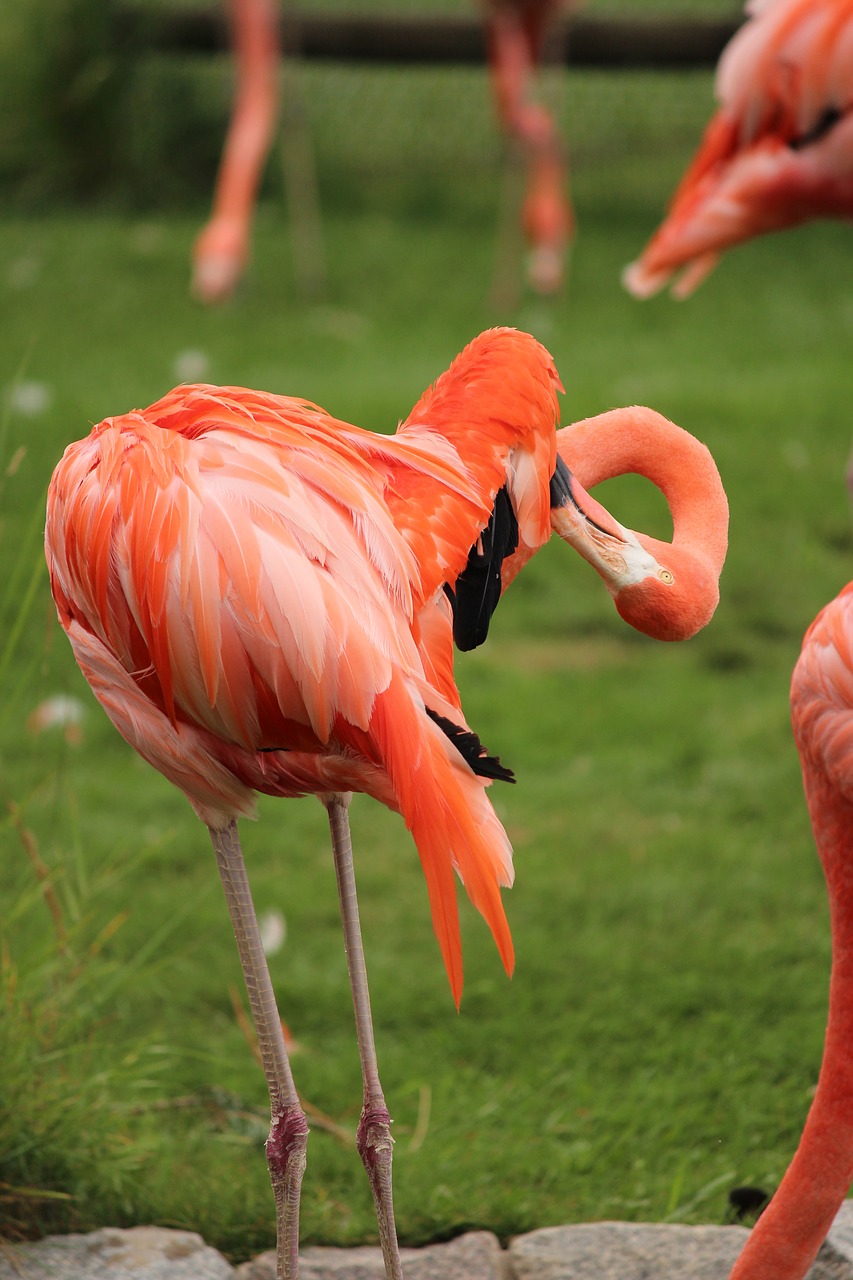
[[288, 1136], [374, 1139]]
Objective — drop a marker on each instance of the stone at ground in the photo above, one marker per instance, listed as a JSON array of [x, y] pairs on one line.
[[626, 1251], [638, 1251], [840, 1238], [140, 1253], [590, 1251], [474, 1256]]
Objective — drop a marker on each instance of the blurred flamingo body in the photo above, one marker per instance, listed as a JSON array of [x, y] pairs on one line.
[[221, 251], [789, 1233], [778, 151], [515, 34], [266, 599]]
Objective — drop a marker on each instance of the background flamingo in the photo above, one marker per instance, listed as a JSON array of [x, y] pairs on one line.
[[786, 1238], [515, 36], [778, 151], [265, 599], [221, 251]]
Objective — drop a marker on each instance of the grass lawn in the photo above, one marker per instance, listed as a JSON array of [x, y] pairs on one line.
[[662, 1034]]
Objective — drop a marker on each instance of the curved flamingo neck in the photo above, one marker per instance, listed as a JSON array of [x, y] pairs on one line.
[[639, 440], [788, 1235]]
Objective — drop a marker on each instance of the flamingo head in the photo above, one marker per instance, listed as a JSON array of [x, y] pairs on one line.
[[665, 590], [674, 599]]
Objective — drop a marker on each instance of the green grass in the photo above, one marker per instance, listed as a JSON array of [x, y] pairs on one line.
[[662, 1033]]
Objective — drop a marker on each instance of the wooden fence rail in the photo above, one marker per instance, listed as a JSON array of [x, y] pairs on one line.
[[649, 43]]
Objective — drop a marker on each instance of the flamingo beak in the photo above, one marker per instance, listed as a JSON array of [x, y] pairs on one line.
[[613, 551]]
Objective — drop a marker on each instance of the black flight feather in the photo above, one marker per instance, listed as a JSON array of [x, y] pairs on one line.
[[471, 749], [477, 590]]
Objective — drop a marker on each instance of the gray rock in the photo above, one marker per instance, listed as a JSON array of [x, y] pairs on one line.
[[626, 1251], [590, 1251], [830, 1266], [140, 1253], [475, 1256], [840, 1237]]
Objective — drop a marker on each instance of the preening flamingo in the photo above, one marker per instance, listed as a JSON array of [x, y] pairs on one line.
[[787, 1236], [221, 250], [777, 152], [265, 599], [515, 34]]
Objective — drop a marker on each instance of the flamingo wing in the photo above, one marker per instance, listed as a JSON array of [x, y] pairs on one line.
[[238, 567]]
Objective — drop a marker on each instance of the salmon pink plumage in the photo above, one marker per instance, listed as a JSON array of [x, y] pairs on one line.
[[266, 599]]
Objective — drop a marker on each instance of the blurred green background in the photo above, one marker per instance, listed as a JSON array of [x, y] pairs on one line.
[[661, 1037]]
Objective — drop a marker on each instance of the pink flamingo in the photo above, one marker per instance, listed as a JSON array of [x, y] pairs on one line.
[[778, 151], [265, 599]]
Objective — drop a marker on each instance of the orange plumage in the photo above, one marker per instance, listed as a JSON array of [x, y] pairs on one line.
[[266, 599]]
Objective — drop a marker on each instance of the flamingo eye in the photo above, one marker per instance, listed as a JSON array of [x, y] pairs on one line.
[[666, 576]]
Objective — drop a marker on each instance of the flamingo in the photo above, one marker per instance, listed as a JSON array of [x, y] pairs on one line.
[[787, 1236], [265, 599], [221, 250], [515, 33], [779, 150]]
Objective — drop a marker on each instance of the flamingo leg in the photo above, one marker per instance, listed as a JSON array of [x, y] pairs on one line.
[[288, 1136], [222, 247], [374, 1141]]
